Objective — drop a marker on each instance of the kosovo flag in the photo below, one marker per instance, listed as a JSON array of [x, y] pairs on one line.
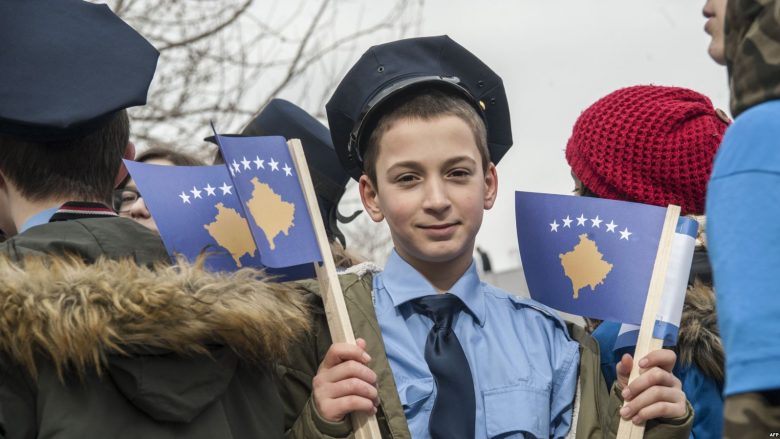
[[267, 184], [588, 256], [196, 210]]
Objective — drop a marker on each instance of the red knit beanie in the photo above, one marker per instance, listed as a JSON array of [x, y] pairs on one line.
[[649, 144]]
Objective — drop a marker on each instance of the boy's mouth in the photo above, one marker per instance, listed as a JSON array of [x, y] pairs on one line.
[[442, 230]]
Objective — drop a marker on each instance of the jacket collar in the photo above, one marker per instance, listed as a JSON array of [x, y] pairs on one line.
[[81, 210]]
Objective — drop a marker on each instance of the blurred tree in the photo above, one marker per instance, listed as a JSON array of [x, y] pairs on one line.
[[223, 60]]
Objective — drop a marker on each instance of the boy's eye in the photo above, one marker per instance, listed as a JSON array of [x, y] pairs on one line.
[[459, 173], [405, 178]]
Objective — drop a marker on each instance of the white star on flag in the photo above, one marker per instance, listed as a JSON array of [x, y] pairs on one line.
[[246, 163], [210, 190], [274, 164], [611, 226], [596, 222], [567, 221], [184, 198], [236, 166], [554, 226], [195, 192], [625, 234], [581, 220], [226, 189], [259, 163], [287, 170]]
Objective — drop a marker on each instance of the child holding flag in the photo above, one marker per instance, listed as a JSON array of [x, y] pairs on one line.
[[656, 145], [421, 123]]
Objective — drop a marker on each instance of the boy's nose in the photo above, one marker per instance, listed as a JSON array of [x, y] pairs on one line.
[[436, 197]]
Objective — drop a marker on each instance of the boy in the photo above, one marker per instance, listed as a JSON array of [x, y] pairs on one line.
[[92, 343], [421, 124]]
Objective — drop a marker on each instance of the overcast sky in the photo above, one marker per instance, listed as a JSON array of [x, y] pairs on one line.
[[556, 58]]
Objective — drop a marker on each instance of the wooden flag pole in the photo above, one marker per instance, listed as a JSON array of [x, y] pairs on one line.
[[646, 343], [365, 426]]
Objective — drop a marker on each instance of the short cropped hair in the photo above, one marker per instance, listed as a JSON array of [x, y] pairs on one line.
[[82, 169], [426, 104]]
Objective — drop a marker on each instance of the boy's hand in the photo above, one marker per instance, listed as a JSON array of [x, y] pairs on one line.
[[656, 393], [344, 383]]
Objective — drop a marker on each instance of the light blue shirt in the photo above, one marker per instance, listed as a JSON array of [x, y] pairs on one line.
[[743, 233], [522, 360], [39, 218]]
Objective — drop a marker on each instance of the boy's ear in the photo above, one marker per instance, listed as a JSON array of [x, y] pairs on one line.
[[129, 155], [370, 198], [491, 186]]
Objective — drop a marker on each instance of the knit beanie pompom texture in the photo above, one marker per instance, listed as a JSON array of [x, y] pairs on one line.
[[648, 144]]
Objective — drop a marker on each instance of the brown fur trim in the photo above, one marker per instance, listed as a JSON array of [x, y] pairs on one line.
[[699, 339], [74, 314]]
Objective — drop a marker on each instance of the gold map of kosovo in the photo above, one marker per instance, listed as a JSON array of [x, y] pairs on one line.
[[231, 232], [270, 213], [585, 265]]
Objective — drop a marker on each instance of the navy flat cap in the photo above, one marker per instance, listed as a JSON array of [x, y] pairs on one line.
[[393, 69], [68, 67]]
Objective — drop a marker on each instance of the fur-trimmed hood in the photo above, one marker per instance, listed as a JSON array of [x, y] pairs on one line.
[[76, 315], [699, 339]]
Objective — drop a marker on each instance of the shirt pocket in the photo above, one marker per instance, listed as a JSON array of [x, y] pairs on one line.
[[517, 411], [414, 394]]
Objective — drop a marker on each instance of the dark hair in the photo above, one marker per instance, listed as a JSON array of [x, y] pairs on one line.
[[584, 191], [426, 104], [161, 153], [81, 169]]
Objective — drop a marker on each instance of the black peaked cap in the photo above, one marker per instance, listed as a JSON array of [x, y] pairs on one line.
[[67, 67], [392, 69]]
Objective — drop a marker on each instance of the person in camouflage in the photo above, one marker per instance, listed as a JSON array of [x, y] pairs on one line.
[[743, 230]]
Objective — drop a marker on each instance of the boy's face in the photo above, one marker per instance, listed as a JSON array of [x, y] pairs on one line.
[[431, 189]]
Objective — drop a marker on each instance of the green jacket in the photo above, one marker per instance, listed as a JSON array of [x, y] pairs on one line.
[[595, 408], [114, 348]]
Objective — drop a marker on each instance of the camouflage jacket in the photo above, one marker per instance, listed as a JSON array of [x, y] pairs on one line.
[[752, 42]]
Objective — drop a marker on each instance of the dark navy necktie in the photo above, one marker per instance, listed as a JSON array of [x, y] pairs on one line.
[[455, 408]]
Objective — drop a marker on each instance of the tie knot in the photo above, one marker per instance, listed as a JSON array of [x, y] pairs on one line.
[[441, 308]]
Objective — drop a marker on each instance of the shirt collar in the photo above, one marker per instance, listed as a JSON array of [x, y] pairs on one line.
[[39, 218], [403, 284]]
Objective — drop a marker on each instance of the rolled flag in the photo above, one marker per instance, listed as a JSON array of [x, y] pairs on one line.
[[667, 323]]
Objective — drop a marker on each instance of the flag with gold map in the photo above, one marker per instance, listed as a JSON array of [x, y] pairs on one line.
[[588, 256], [266, 181], [196, 210]]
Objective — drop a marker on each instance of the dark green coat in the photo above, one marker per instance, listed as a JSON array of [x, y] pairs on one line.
[[102, 348], [596, 409]]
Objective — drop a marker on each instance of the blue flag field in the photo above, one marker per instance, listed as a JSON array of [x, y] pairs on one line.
[[196, 209], [588, 256], [267, 184]]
